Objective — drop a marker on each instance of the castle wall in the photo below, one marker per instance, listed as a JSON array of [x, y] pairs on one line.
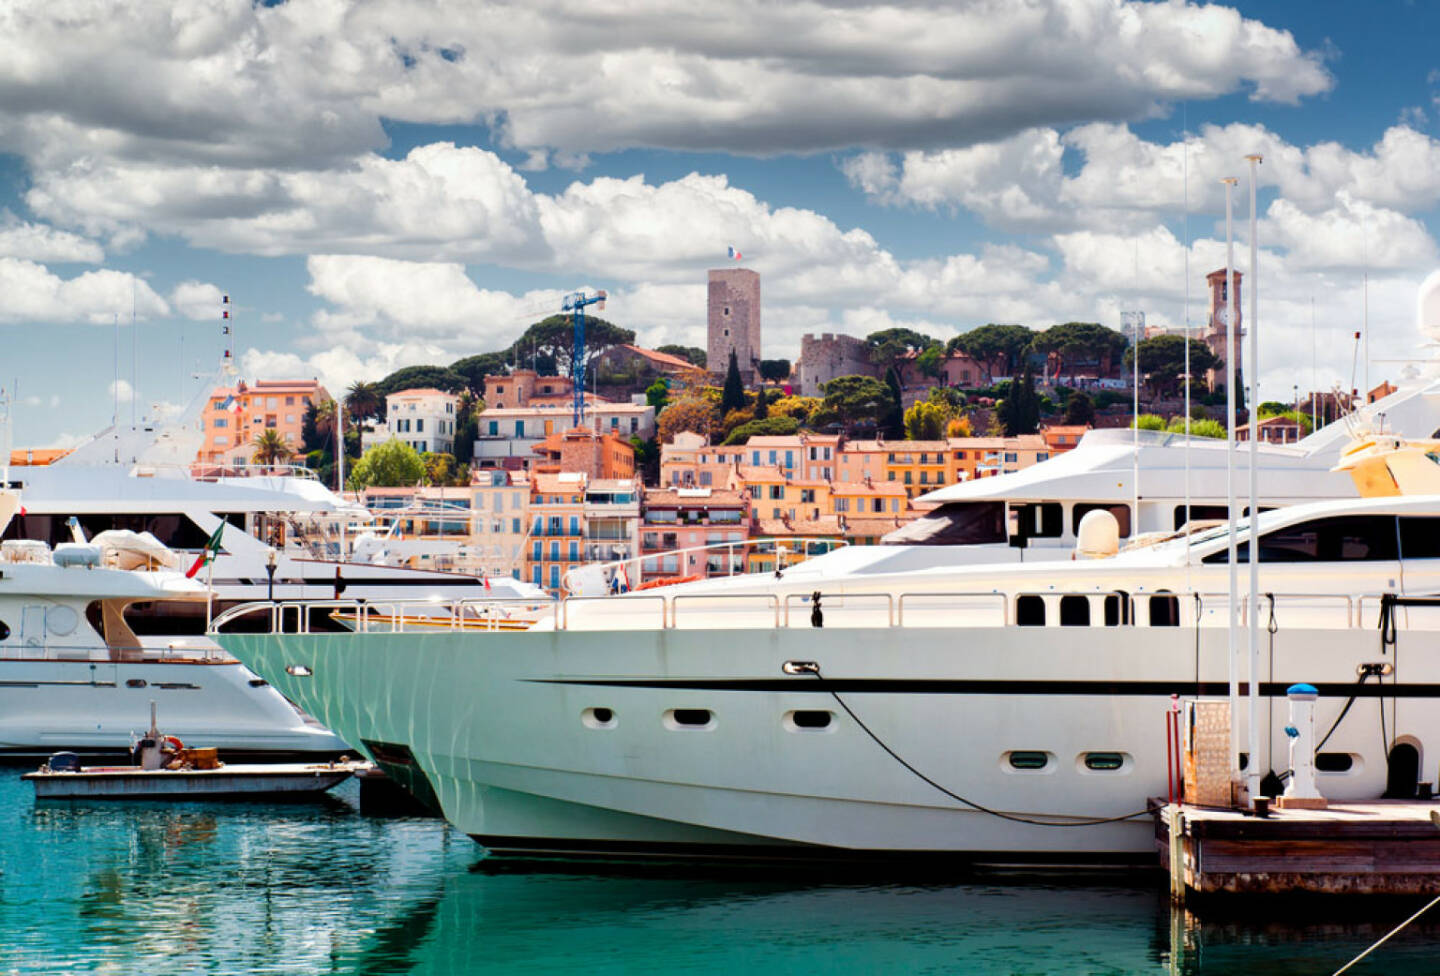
[[823, 359]]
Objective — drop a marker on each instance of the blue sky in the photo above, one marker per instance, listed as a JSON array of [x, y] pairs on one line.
[[385, 183]]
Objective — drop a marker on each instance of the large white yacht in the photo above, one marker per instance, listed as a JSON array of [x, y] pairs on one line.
[[1141, 476], [74, 675], [866, 705]]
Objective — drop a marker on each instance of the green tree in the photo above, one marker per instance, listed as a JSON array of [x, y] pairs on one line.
[[762, 404], [657, 394], [857, 401], [1149, 421], [992, 344], [1019, 413], [775, 370], [1203, 427], [440, 468], [1075, 342], [733, 396], [763, 427], [476, 368], [555, 337], [270, 447], [419, 377], [467, 427], [1162, 362], [893, 420], [694, 354], [889, 346], [1079, 409], [931, 362], [310, 437], [647, 458], [393, 464], [926, 421]]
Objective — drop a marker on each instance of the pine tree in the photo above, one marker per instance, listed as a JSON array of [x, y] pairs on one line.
[[762, 404], [893, 420], [732, 397]]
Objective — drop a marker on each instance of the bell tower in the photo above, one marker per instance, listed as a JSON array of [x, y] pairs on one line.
[[1215, 337]]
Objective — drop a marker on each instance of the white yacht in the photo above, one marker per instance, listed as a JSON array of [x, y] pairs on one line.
[[1033, 513], [867, 704], [74, 675]]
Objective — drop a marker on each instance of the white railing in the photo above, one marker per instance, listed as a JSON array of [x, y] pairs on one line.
[[786, 551], [659, 610]]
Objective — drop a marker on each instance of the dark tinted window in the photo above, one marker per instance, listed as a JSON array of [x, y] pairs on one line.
[[4, 630], [1121, 513], [1348, 538], [1074, 611], [1039, 520], [1030, 611], [1200, 513], [1164, 611], [1117, 610], [1419, 537], [172, 529]]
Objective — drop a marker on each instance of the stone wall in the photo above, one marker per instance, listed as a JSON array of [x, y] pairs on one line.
[[825, 357]]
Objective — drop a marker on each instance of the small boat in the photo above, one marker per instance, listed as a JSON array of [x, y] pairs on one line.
[[166, 769]]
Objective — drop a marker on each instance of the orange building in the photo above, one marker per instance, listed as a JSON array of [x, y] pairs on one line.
[[581, 449], [237, 414]]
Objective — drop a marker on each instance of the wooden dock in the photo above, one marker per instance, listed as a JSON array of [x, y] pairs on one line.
[[1381, 847]]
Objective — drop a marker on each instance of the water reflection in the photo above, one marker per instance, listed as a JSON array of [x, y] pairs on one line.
[[310, 889]]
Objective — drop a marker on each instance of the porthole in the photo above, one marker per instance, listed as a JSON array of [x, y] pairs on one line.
[[4, 630], [1334, 762], [1104, 762], [689, 718], [61, 620], [135, 683], [599, 717], [298, 671], [809, 720], [1027, 761]]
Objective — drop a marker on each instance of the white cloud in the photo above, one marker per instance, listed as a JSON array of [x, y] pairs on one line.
[[339, 367], [303, 84], [38, 242], [198, 300], [30, 292], [120, 391]]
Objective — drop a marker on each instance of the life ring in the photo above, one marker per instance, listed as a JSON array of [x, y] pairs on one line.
[[171, 743]]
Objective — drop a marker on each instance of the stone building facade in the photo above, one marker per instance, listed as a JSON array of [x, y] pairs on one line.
[[828, 356], [734, 322]]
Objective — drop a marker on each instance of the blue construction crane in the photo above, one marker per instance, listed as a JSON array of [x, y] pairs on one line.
[[575, 302]]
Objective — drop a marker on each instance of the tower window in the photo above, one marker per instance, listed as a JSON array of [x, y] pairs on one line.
[[727, 310]]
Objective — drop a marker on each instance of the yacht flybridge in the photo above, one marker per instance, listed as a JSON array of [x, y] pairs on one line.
[[75, 676], [869, 703], [1034, 513]]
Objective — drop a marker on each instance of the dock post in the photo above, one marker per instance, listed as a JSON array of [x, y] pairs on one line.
[[1302, 793], [1176, 825]]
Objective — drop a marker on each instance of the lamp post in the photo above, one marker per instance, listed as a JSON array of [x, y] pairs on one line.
[[270, 559]]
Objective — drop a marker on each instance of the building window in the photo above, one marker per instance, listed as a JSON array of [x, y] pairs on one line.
[[220, 422], [519, 428], [555, 578], [419, 425], [1011, 457], [494, 428], [554, 549], [574, 551], [807, 495], [842, 504]]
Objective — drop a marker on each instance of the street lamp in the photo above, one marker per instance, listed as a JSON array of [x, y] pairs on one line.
[[270, 558]]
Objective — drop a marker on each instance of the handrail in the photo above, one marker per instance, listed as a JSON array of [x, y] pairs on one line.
[[733, 547], [1003, 598], [293, 616], [772, 598]]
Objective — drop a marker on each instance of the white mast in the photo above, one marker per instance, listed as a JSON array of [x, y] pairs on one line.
[[1252, 778], [1229, 312], [1185, 157]]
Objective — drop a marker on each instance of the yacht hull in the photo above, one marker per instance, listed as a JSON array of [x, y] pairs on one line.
[[97, 707], [503, 730]]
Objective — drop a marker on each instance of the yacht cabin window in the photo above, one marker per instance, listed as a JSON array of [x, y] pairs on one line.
[[1345, 538], [1200, 513], [1419, 537], [1037, 520]]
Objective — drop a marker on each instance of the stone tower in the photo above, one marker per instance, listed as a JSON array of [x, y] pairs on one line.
[[734, 322], [1215, 329]]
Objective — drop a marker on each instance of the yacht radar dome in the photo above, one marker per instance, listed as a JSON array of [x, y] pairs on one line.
[[1098, 535]]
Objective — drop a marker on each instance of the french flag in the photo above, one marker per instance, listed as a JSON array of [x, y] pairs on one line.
[[734, 254], [231, 404]]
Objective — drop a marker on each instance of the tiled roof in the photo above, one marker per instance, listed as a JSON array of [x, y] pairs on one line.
[[420, 391]]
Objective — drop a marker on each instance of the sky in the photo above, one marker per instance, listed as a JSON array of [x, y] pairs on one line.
[[379, 183]]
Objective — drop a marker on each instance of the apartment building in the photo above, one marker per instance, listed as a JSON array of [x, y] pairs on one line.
[[236, 415], [557, 534], [508, 435], [582, 449], [773, 494], [692, 519], [424, 418], [499, 522]]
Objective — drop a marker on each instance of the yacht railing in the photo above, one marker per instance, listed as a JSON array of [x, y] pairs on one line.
[[658, 610]]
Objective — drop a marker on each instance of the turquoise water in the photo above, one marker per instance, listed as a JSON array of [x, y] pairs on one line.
[[318, 888]]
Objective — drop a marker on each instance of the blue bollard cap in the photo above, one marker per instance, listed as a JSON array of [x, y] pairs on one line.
[[1303, 692]]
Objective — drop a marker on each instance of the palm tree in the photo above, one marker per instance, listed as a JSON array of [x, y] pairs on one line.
[[269, 447], [325, 420], [364, 401]]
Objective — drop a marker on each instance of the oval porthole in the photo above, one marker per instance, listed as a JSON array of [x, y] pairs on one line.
[[1104, 762], [1334, 762], [689, 718], [1028, 761], [298, 671], [599, 717], [135, 683], [808, 720], [61, 620], [4, 630]]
